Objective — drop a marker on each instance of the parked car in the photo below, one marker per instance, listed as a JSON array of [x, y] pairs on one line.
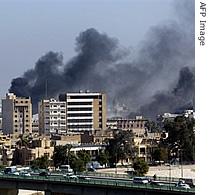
[[141, 180], [70, 177], [156, 183], [25, 174], [44, 173], [14, 173], [182, 184]]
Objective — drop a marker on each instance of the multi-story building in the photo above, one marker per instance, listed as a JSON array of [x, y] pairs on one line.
[[35, 124], [86, 111], [137, 125], [52, 116], [16, 114], [0, 118]]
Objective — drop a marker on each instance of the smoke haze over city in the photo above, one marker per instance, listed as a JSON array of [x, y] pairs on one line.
[[154, 78]]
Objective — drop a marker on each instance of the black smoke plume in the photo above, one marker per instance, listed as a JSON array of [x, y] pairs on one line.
[[159, 78]]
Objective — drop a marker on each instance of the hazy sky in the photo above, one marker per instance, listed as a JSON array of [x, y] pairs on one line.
[[30, 28]]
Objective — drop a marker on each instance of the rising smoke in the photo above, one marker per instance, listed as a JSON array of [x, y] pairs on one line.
[[159, 79]]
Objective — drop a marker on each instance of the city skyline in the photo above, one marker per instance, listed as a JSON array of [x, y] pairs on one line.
[[146, 74]]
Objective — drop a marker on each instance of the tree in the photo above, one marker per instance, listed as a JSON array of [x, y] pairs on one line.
[[121, 147], [181, 139], [41, 162], [140, 167], [152, 126], [23, 141], [160, 154], [84, 156], [60, 155], [103, 158]]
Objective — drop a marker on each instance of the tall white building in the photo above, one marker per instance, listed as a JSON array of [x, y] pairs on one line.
[[86, 111], [52, 117]]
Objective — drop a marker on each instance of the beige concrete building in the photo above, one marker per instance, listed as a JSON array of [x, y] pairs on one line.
[[6, 152], [52, 117], [16, 114], [39, 147], [86, 111], [73, 139], [137, 124]]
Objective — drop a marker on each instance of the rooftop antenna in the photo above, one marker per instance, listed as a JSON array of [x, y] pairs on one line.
[[46, 89]]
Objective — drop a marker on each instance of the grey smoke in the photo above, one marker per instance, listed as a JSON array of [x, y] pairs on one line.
[[159, 79]]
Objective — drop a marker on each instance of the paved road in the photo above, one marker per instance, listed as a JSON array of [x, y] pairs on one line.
[[160, 171]]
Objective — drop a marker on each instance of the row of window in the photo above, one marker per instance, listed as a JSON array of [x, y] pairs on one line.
[[21, 121], [79, 109], [21, 125], [79, 103], [26, 101], [16, 111], [86, 97], [21, 115], [79, 126], [55, 111], [80, 120], [79, 114], [131, 125]]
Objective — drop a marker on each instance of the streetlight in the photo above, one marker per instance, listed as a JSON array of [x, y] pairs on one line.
[[169, 175], [180, 155]]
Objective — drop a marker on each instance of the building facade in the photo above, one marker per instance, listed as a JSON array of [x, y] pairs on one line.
[[16, 114], [52, 117], [86, 111], [137, 124]]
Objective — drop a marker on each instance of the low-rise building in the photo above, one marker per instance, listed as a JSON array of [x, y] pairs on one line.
[[37, 148], [73, 139], [137, 124]]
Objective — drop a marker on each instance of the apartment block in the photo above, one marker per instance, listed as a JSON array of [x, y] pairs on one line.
[[16, 114], [52, 117], [86, 111]]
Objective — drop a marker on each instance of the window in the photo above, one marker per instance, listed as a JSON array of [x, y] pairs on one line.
[[79, 114], [79, 120], [79, 109], [79, 103]]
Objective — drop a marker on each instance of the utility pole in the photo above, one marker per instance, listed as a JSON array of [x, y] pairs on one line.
[[182, 174]]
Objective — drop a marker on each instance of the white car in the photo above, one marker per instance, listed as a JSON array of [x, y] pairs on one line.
[[14, 173], [25, 174], [68, 176], [141, 180], [183, 185]]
